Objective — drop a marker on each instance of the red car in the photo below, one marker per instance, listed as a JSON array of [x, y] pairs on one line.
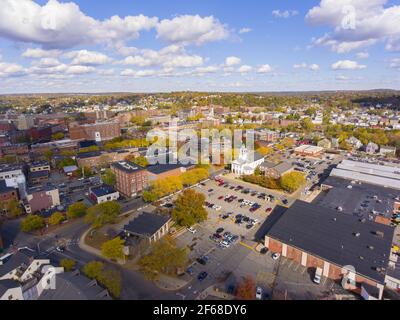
[[268, 210], [221, 197]]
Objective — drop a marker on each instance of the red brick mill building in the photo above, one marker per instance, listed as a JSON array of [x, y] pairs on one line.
[[319, 237]]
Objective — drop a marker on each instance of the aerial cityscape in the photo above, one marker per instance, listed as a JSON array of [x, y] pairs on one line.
[[205, 150]]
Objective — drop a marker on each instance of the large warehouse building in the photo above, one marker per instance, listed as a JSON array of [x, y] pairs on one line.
[[319, 237]]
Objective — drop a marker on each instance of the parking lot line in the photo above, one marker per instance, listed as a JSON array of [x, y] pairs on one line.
[[247, 246]]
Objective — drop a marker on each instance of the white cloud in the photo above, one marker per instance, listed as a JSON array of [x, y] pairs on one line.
[[138, 74], [395, 63], [38, 53], [342, 78], [11, 69], [205, 70], [300, 66], [189, 29], [362, 55], [46, 63], [171, 56], [245, 30], [245, 69], [347, 65], [232, 61], [284, 13], [356, 23], [63, 25], [266, 68], [87, 58], [313, 66], [79, 70]]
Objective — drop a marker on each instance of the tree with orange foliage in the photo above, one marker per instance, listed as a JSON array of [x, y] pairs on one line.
[[246, 290]]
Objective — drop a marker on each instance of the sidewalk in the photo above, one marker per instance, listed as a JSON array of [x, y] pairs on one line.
[[172, 284], [214, 292], [82, 245]]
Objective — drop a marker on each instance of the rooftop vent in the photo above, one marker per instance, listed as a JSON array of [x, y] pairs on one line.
[[379, 234]]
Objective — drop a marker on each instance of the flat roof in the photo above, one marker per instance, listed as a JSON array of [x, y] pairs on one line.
[[146, 224], [308, 148], [162, 168], [362, 200], [338, 238], [102, 190], [127, 166], [384, 171], [364, 177], [90, 154]]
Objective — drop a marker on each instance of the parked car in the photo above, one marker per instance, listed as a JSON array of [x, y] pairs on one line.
[[190, 271], [317, 276], [276, 256], [202, 276], [60, 249], [220, 230], [192, 230], [259, 293]]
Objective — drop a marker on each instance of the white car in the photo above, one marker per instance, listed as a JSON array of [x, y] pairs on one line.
[[259, 293], [192, 230], [276, 256], [218, 208], [225, 244]]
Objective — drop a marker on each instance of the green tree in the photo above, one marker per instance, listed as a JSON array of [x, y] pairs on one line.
[[66, 162], [13, 209], [76, 210], [31, 223], [194, 176], [67, 264], [140, 161], [103, 213], [165, 258], [307, 124], [113, 249], [57, 136], [93, 269], [48, 154], [189, 208], [108, 278], [292, 181], [56, 218], [109, 177]]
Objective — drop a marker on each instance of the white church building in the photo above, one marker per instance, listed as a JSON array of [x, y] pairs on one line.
[[247, 163]]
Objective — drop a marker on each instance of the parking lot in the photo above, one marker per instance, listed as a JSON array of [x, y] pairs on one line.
[[227, 265]]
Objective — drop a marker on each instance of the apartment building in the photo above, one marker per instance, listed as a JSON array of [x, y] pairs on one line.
[[131, 178]]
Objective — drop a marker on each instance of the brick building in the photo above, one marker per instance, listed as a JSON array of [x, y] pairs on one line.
[[6, 195], [99, 131], [131, 179], [319, 237], [95, 159]]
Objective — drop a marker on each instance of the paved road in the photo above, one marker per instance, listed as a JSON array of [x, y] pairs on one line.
[[134, 285]]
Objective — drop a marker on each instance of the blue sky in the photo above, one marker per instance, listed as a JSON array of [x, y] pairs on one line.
[[154, 45]]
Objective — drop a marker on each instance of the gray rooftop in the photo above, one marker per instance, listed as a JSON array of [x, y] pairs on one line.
[[362, 199], [74, 286], [7, 284], [127, 166], [338, 238], [147, 224], [20, 258]]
